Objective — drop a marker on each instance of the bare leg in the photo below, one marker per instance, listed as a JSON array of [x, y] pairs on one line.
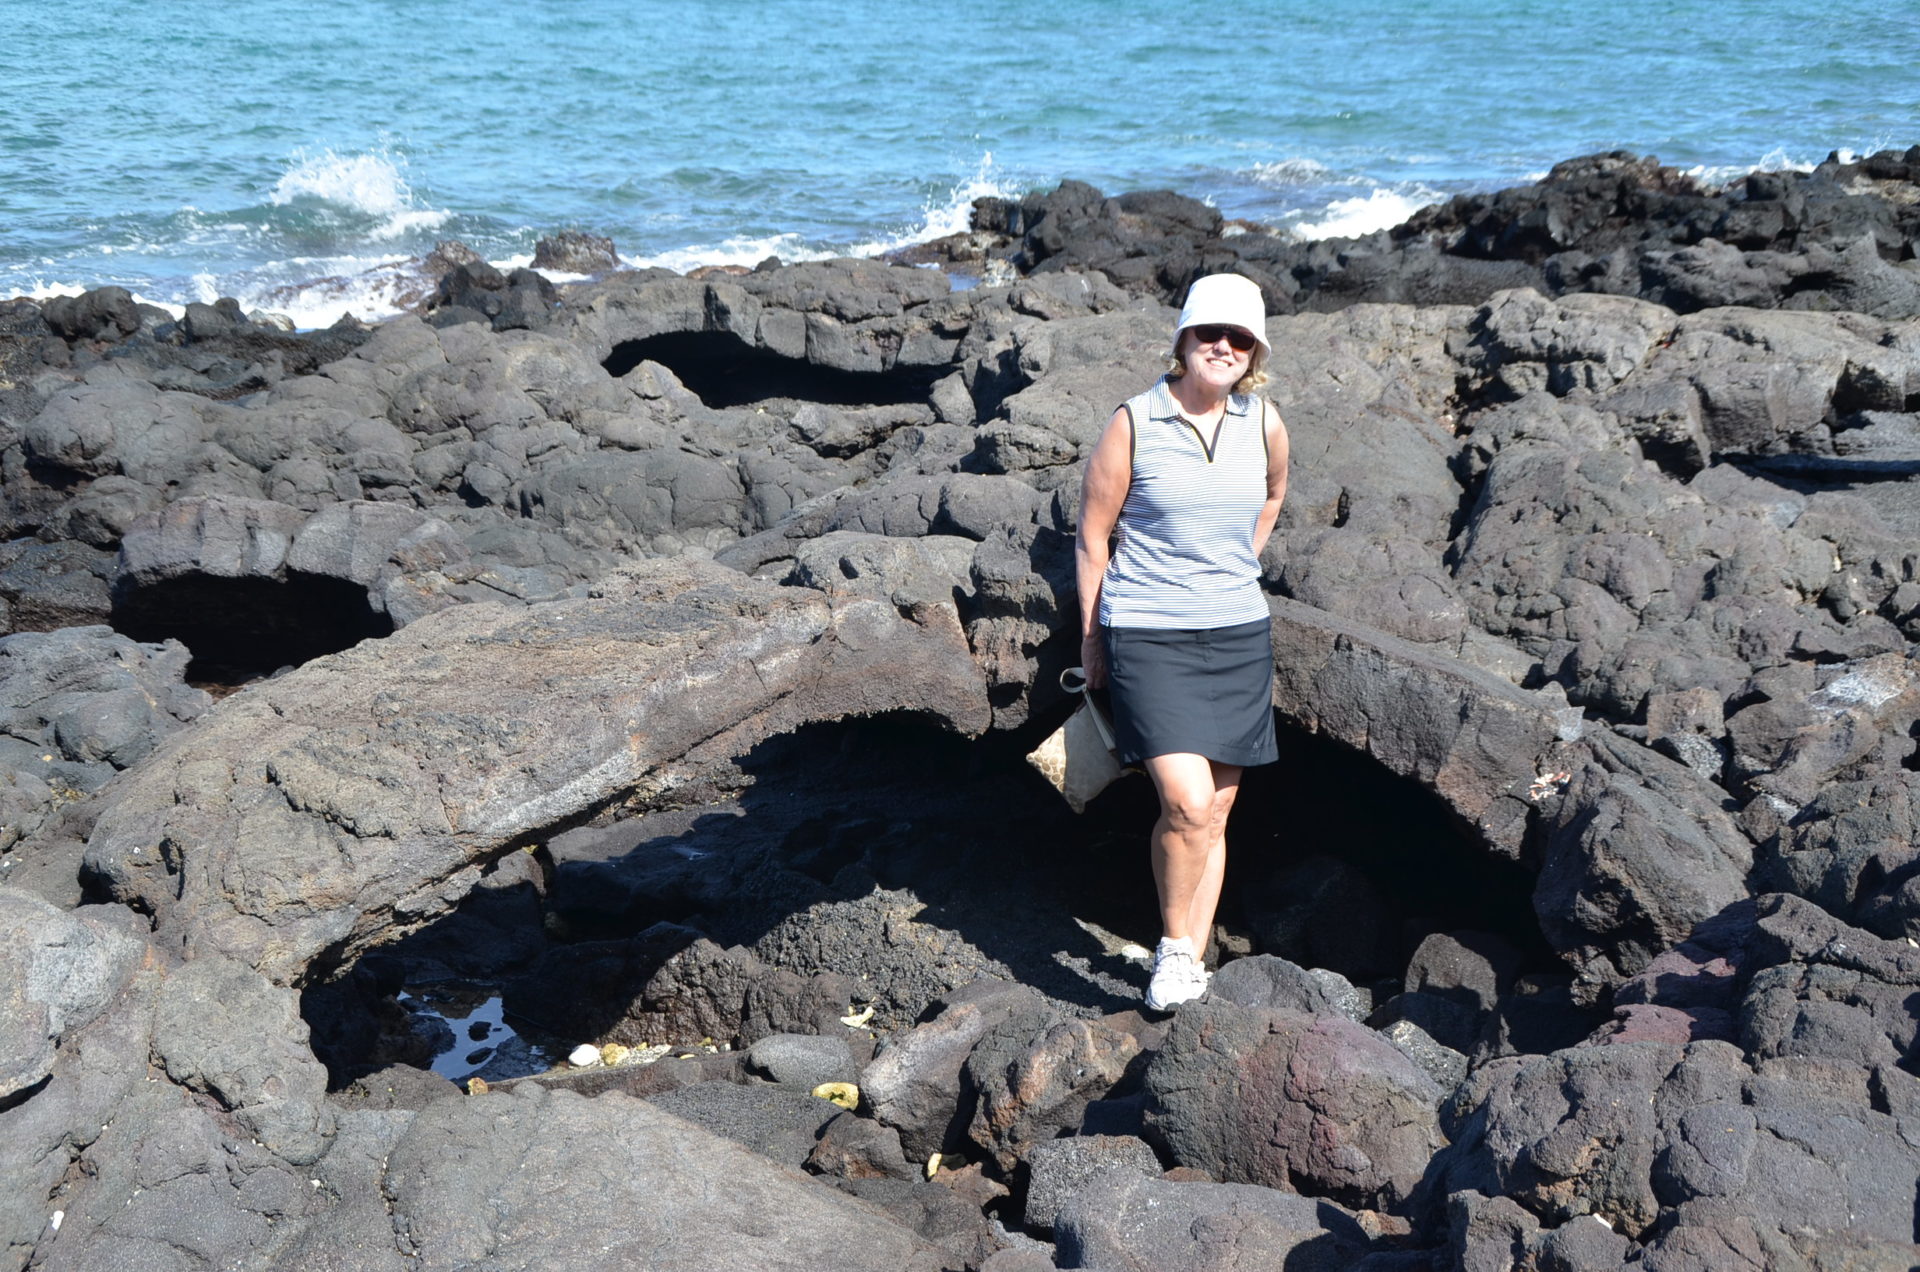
[[1206, 898], [1189, 841]]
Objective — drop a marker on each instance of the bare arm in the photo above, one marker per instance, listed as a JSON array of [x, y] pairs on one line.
[[1102, 491], [1277, 454]]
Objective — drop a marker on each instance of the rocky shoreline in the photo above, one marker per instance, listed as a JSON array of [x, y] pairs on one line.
[[658, 655]]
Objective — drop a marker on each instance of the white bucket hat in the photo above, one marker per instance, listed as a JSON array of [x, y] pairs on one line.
[[1233, 299]]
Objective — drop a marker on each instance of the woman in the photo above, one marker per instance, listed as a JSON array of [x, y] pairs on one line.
[[1180, 494]]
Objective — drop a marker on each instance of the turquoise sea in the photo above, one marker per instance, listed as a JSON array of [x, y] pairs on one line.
[[189, 150]]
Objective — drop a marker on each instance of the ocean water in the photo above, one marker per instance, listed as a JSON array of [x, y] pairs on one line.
[[290, 153]]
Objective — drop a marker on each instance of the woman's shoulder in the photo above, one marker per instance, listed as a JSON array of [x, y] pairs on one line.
[[1262, 408], [1154, 400]]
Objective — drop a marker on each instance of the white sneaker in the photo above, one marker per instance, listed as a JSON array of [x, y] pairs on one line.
[[1177, 975]]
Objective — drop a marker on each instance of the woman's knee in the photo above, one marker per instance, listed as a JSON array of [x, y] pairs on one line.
[[1188, 811], [1196, 809], [1222, 807]]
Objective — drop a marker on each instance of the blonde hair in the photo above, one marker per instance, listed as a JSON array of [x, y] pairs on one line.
[[1255, 378]]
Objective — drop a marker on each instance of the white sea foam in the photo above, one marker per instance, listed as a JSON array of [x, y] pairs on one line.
[[40, 289], [941, 217], [368, 289], [1775, 160], [508, 264], [322, 304], [1372, 205], [739, 250], [418, 219], [372, 184], [319, 303], [1285, 173], [1379, 209]]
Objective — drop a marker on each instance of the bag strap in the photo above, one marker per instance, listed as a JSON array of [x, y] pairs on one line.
[[1074, 680]]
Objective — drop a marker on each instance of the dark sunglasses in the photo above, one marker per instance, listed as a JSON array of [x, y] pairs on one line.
[[1213, 333]]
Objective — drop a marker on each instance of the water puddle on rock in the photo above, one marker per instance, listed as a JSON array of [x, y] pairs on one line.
[[484, 1045]]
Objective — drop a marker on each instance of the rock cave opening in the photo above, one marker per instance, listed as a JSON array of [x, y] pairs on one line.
[[724, 371], [242, 629], [883, 863]]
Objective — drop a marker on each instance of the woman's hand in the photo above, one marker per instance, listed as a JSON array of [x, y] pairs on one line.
[[1093, 658]]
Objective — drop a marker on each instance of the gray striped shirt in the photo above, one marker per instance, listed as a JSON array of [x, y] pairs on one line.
[[1184, 554]]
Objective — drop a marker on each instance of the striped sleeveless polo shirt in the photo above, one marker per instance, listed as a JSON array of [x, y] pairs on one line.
[[1184, 556]]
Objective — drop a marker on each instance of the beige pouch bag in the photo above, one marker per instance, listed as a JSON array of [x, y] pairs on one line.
[[1078, 756]]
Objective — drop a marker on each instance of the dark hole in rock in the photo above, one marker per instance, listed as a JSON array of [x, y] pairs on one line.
[[908, 862], [1323, 802], [241, 629], [15, 1099], [374, 1016], [53, 476], [722, 371]]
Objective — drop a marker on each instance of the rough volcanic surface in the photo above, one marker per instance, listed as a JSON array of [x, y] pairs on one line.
[[649, 662]]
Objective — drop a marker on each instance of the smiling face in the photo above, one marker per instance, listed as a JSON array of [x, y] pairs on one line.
[[1217, 363]]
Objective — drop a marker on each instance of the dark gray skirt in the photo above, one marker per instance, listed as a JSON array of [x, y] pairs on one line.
[[1203, 692]]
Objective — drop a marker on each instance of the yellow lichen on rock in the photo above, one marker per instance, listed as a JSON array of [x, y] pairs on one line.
[[845, 1094]]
